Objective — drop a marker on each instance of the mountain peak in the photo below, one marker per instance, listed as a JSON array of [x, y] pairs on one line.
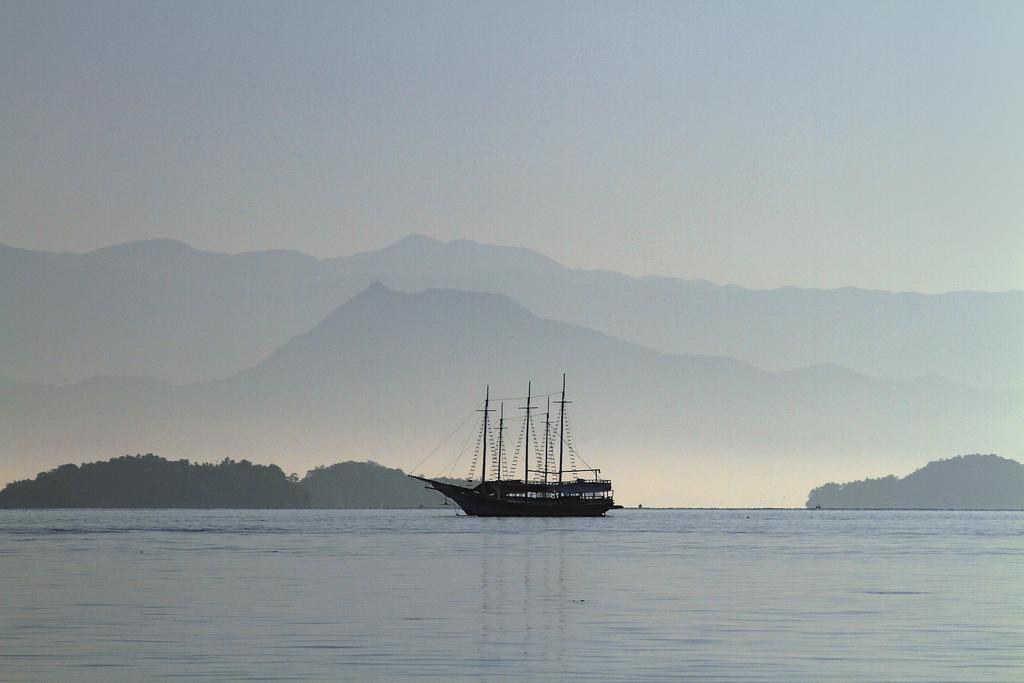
[[378, 286], [414, 245], [153, 246], [417, 239], [418, 254], [379, 294], [380, 320], [376, 290]]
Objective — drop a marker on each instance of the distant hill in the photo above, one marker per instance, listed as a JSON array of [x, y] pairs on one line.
[[149, 481], [966, 482], [390, 374], [368, 485], [164, 309]]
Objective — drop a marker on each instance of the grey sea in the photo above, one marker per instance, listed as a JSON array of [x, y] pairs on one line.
[[732, 595]]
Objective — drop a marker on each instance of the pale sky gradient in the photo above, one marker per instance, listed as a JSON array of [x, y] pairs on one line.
[[764, 144]]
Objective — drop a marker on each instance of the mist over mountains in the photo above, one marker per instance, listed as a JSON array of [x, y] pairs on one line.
[[163, 309], [386, 375]]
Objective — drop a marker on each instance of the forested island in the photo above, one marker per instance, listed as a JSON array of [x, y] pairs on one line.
[[977, 482], [150, 481], [966, 482]]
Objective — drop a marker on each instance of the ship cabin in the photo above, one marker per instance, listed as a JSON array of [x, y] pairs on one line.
[[581, 489]]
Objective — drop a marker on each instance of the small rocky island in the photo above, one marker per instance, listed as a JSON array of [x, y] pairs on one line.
[[150, 481], [966, 482]]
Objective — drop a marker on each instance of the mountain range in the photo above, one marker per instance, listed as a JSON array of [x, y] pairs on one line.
[[387, 374], [163, 309]]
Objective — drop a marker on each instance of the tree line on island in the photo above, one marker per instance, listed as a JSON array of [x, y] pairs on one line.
[[977, 482], [966, 482], [150, 481]]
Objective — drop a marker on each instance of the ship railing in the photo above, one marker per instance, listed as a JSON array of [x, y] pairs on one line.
[[592, 495], [569, 482]]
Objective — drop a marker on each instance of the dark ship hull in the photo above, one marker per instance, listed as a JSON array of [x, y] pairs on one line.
[[484, 501]]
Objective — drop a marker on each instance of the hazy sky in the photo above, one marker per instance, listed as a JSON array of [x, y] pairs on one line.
[[816, 144]]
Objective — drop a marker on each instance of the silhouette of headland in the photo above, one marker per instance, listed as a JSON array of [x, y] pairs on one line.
[[150, 481], [966, 482]]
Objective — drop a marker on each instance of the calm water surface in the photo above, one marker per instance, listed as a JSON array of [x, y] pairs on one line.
[[382, 595]]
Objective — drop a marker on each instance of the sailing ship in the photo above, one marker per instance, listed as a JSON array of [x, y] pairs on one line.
[[544, 491]]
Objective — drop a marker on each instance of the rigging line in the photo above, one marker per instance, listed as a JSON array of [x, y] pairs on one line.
[[523, 398], [493, 442], [465, 445], [572, 447], [572, 451], [476, 454], [438, 447], [519, 445], [587, 464], [536, 448], [519, 419]]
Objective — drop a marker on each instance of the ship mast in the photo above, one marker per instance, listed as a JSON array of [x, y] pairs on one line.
[[486, 411], [501, 429], [561, 429], [526, 436], [547, 433]]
